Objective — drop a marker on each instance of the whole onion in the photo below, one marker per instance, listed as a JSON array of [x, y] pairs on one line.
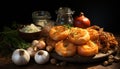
[[41, 57], [81, 21], [34, 42], [41, 44], [20, 57]]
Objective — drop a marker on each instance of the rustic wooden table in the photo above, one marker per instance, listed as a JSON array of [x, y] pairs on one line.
[[33, 65]]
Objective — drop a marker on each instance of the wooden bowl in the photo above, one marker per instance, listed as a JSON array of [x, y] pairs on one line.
[[29, 36]]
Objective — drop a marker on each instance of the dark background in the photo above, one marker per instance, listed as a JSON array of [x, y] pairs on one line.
[[101, 12]]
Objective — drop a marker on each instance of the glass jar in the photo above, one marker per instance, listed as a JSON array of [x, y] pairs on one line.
[[41, 18], [64, 16]]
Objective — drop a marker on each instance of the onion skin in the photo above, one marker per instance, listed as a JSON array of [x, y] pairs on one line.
[[20, 57]]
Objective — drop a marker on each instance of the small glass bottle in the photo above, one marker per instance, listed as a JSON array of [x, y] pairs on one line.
[[64, 16]]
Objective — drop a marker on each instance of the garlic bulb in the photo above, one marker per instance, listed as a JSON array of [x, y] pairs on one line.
[[41, 57], [20, 57]]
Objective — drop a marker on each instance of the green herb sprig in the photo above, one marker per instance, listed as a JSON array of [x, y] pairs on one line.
[[10, 39]]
